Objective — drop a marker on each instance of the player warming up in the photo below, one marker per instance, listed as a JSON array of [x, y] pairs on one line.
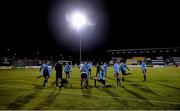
[[89, 68], [97, 74], [116, 72], [59, 70], [102, 78], [143, 67], [67, 70], [105, 68], [123, 68], [84, 74], [45, 71]]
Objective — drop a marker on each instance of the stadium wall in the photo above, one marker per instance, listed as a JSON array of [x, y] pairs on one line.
[[5, 67], [14, 67]]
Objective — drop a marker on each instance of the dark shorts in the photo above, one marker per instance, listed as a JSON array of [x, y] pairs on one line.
[[46, 75], [58, 75], [123, 72], [67, 73], [64, 81], [83, 76], [89, 70]]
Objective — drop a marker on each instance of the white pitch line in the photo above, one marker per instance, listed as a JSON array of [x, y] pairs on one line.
[[132, 99]]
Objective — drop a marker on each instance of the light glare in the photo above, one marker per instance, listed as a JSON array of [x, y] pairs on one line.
[[78, 20]]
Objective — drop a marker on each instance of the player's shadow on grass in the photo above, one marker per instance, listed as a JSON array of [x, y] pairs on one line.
[[170, 86], [53, 83], [164, 81], [35, 86], [144, 99], [129, 81], [46, 103], [128, 74], [115, 97], [22, 100], [147, 90], [87, 92], [66, 84], [73, 87]]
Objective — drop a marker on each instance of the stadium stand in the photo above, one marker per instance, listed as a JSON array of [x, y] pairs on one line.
[[176, 60], [128, 61], [152, 56], [134, 62], [131, 62], [158, 61], [138, 59], [5, 61]]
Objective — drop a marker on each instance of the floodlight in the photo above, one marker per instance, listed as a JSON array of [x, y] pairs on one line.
[[78, 20]]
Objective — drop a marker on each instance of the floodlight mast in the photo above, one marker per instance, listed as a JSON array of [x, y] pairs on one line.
[[78, 20], [79, 45]]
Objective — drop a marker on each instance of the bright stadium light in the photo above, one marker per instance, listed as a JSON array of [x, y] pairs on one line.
[[78, 20]]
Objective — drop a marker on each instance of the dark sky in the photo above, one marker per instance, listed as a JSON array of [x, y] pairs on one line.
[[25, 26]]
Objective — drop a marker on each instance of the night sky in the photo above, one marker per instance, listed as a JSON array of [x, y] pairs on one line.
[[26, 29]]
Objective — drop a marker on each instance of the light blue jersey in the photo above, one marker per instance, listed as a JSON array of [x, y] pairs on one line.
[[102, 73], [116, 68], [84, 68], [123, 67], [143, 66], [67, 68], [105, 67], [119, 65], [50, 70], [44, 66]]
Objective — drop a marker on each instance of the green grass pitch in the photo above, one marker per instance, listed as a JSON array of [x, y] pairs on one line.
[[19, 89]]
